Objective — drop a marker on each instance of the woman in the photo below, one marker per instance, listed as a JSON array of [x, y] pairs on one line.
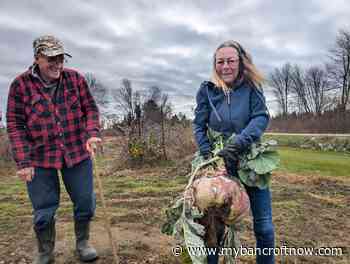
[[232, 102]]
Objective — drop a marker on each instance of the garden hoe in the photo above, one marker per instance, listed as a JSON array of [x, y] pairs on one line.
[[97, 151]]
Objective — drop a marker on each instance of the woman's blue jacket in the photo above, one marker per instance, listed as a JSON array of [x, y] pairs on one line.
[[243, 112]]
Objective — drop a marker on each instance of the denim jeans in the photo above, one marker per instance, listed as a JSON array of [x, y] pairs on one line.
[[44, 192], [260, 203]]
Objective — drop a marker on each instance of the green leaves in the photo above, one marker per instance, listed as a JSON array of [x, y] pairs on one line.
[[193, 234], [173, 214], [264, 162], [252, 179], [255, 167]]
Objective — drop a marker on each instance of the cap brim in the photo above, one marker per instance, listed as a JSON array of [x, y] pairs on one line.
[[56, 53]]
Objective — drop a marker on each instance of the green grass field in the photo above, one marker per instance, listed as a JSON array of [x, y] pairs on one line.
[[320, 163]]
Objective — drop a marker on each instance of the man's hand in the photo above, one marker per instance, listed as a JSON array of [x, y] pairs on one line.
[[26, 174], [92, 144]]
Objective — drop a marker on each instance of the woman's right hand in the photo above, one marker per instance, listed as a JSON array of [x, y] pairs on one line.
[[207, 155], [26, 174]]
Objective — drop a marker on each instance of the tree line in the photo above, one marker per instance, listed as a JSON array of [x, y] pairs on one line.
[[320, 92]]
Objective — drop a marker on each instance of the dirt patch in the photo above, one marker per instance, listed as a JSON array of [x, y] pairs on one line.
[[308, 211]]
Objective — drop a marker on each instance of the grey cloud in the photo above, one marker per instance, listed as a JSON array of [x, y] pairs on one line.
[[166, 43]]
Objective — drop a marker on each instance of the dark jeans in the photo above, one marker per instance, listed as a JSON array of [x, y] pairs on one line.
[[260, 203], [44, 192]]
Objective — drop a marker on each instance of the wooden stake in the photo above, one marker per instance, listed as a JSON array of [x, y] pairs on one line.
[[106, 216]]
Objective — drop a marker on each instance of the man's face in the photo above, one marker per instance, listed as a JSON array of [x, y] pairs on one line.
[[50, 67]]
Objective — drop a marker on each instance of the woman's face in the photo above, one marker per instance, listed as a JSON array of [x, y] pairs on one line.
[[226, 64]]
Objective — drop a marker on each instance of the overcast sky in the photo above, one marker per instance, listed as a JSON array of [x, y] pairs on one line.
[[167, 43]]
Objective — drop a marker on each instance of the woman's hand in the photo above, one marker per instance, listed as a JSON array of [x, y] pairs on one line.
[[230, 154]]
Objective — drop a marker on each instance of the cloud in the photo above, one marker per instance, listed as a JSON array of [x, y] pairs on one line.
[[167, 43]]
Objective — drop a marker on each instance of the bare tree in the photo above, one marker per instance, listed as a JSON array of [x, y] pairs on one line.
[[164, 102], [280, 80], [309, 87], [151, 106], [299, 89], [339, 67], [158, 109], [166, 110], [99, 92], [316, 85], [138, 112], [124, 98]]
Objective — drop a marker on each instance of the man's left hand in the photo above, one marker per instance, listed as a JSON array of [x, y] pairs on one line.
[[92, 144]]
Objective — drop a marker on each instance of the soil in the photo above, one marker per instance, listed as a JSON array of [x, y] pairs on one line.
[[308, 211]]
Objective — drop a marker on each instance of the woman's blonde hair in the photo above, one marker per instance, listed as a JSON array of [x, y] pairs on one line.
[[247, 69]]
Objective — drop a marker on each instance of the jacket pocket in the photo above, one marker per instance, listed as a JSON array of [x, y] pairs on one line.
[[39, 110]]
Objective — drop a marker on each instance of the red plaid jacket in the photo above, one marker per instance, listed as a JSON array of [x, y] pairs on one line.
[[46, 133]]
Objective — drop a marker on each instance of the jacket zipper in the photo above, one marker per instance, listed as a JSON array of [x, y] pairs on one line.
[[228, 104]]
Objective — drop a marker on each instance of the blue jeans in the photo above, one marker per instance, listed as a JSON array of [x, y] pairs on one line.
[[44, 192], [260, 203]]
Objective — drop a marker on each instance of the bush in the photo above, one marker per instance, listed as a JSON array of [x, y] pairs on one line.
[[180, 142], [5, 149]]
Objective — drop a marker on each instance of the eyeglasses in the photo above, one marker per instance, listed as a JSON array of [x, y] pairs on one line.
[[229, 61], [56, 59]]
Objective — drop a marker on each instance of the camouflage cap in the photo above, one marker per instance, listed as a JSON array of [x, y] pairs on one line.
[[48, 46]]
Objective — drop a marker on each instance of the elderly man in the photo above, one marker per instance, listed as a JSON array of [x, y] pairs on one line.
[[53, 124]]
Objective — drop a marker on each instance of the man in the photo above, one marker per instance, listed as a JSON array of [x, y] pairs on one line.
[[53, 124]]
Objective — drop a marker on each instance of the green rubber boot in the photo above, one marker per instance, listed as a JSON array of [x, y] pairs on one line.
[[46, 244], [85, 252]]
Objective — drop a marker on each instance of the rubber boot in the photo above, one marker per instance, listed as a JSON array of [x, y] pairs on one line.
[[85, 252], [46, 244]]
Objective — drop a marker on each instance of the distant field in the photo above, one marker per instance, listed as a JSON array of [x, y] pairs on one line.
[[314, 162], [307, 134], [286, 139]]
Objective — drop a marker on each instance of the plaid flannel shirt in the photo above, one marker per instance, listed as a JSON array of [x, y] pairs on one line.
[[48, 132]]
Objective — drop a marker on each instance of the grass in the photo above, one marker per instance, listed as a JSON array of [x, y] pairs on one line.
[[337, 144], [314, 162], [139, 196]]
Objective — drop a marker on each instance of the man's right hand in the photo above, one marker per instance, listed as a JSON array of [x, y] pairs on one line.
[[26, 174]]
